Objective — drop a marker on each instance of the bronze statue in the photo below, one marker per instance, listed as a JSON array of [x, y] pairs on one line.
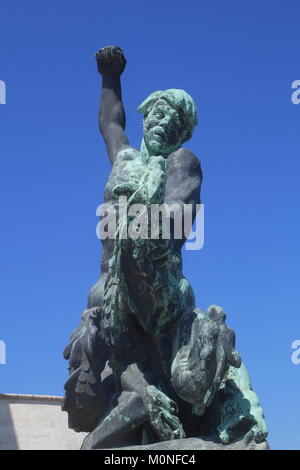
[[146, 364]]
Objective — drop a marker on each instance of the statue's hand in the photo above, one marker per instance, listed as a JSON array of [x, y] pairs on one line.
[[162, 415], [110, 60]]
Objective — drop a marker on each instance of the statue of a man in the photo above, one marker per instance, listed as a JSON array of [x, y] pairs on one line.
[[144, 357], [160, 172]]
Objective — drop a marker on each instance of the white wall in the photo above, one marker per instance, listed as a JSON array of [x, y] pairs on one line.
[[35, 422]]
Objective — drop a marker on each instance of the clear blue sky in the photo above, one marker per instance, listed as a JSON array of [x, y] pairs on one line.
[[238, 60]]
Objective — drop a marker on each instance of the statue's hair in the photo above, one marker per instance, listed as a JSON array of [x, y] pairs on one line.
[[181, 101]]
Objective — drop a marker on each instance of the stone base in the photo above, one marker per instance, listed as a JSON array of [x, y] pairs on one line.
[[196, 443]]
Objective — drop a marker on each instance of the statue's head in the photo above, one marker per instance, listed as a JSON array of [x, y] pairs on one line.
[[169, 119]]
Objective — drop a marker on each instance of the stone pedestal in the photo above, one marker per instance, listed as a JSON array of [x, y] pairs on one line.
[[197, 443]]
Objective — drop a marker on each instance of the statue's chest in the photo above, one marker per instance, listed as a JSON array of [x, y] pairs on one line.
[[126, 169]]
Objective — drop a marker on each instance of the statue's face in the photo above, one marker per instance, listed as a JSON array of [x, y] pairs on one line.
[[163, 129]]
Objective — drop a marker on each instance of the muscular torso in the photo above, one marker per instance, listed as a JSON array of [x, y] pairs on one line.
[[129, 167], [182, 186]]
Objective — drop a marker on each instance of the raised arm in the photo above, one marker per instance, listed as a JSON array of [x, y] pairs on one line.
[[111, 63]]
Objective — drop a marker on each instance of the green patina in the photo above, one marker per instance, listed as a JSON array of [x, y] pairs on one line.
[[195, 350], [171, 108], [146, 186], [241, 405]]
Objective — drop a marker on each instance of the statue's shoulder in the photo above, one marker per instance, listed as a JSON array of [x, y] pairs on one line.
[[183, 161]]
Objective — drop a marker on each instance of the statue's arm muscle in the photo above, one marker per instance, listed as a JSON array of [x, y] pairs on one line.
[[112, 118], [184, 177]]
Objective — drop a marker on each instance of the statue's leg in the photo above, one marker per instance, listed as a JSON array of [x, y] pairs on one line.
[[140, 407], [123, 425]]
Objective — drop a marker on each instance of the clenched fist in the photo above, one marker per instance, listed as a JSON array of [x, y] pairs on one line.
[[110, 59]]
